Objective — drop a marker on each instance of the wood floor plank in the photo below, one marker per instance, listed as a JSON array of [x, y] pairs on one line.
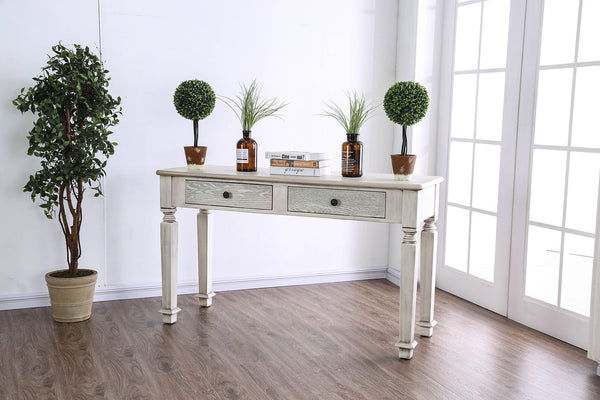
[[324, 341], [8, 373]]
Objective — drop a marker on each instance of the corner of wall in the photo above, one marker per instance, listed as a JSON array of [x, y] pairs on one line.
[[406, 56]]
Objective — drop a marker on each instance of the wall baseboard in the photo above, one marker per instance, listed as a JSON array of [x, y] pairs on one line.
[[31, 300], [393, 275]]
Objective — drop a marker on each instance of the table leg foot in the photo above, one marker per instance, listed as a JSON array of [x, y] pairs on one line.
[[425, 329], [205, 300], [169, 316], [405, 350], [425, 321], [168, 250]]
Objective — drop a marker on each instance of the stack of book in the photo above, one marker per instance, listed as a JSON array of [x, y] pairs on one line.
[[298, 163]]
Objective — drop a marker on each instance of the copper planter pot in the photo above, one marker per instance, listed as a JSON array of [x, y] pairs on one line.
[[403, 166], [195, 156]]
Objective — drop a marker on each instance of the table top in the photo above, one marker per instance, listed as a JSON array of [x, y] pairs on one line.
[[377, 181]]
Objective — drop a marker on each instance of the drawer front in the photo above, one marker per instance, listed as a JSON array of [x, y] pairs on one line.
[[354, 203], [229, 194]]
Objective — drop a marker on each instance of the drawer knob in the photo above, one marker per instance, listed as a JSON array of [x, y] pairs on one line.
[[335, 202], [226, 195]]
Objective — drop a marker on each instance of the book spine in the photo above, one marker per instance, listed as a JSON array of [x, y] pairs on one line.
[[299, 171], [288, 156], [278, 162]]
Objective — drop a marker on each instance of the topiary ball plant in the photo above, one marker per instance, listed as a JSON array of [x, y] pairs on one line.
[[194, 99], [406, 103]]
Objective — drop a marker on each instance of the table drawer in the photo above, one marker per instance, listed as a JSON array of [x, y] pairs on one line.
[[229, 194], [353, 203]]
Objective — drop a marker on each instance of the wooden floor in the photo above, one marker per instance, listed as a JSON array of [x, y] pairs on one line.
[[326, 341]]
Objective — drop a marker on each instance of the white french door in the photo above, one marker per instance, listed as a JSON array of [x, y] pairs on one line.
[[558, 153], [524, 156], [482, 126]]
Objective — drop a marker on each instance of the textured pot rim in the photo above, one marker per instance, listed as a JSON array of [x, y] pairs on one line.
[[69, 281]]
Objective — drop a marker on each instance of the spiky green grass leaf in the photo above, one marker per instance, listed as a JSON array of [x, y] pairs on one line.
[[250, 108], [358, 112]]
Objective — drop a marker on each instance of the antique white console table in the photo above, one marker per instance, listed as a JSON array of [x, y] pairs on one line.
[[376, 197]]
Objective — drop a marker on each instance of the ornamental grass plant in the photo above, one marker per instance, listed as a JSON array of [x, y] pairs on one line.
[[250, 108], [358, 112]]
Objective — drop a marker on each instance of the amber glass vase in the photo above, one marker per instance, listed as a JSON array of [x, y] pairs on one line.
[[352, 151], [245, 154]]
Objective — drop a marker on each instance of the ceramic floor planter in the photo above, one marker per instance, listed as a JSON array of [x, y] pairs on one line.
[[195, 156], [71, 298], [403, 166]]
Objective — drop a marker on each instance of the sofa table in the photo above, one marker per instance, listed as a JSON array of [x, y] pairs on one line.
[[373, 197]]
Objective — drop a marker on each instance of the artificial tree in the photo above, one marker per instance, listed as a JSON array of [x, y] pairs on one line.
[[194, 99], [71, 137], [406, 103]]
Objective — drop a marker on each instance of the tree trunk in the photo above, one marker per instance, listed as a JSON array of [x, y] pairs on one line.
[[403, 151], [70, 217], [195, 133]]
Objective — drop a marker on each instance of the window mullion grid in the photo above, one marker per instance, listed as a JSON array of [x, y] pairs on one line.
[[474, 138], [479, 70], [556, 66], [478, 210], [558, 228], [466, 3], [568, 161], [478, 141], [449, 178], [559, 147]]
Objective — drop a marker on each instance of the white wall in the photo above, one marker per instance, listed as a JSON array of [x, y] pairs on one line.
[[30, 244], [304, 52], [419, 40]]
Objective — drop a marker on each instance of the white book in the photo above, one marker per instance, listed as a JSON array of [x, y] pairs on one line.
[[300, 171], [296, 155]]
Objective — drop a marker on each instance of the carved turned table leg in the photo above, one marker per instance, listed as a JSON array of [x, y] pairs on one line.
[[205, 293], [428, 262], [168, 252], [408, 294]]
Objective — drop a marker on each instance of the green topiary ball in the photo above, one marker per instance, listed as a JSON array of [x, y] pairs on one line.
[[406, 103], [194, 99]]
